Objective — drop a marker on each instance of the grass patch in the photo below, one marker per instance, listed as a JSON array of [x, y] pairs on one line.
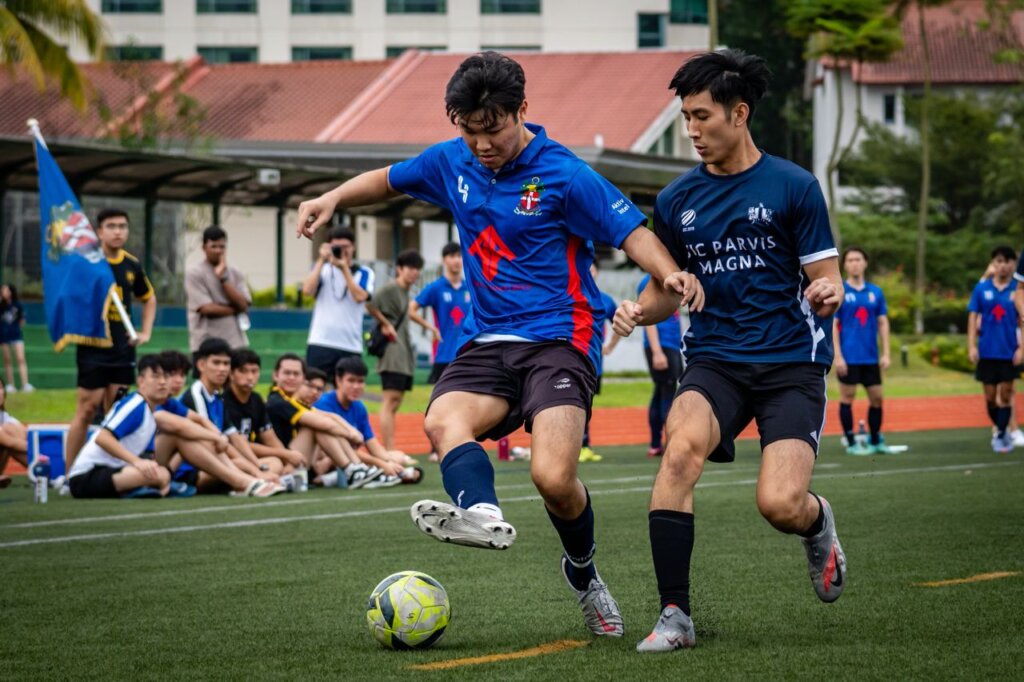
[[165, 589]]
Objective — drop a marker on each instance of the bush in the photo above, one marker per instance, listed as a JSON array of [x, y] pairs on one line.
[[267, 298], [952, 353], [943, 310]]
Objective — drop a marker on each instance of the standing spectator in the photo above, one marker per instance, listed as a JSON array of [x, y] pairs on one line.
[[662, 350], [103, 372], [449, 300], [607, 314], [218, 297], [341, 289], [396, 366], [12, 319]]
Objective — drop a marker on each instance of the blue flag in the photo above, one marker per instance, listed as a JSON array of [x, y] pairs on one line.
[[77, 281]]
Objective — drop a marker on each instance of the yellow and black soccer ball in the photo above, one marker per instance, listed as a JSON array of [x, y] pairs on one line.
[[408, 610]]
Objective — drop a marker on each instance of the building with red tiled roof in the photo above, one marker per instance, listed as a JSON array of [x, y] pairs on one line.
[[964, 46]]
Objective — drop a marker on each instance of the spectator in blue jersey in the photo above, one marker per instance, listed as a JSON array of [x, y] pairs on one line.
[[206, 397], [860, 323], [606, 313], [346, 402], [754, 228], [525, 207], [117, 460], [448, 299], [994, 344], [663, 352]]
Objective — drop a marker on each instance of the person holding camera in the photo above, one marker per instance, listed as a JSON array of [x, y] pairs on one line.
[[341, 289]]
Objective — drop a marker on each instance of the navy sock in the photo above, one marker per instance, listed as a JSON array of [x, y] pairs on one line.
[[671, 547], [846, 419], [992, 414], [577, 537], [468, 476], [1002, 419], [875, 424], [819, 523]]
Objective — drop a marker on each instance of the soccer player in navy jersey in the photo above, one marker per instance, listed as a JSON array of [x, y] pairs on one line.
[[525, 207], [860, 323], [754, 229], [994, 344]]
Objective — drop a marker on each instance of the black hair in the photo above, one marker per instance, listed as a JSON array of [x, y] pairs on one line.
[[487, 82], [289, 356], [150, 361], [14, 292], [855, 249], [341, 232], [730, 76], [314, 373], [214, 233], [240, 357], [108, 213], [354, 366], [1005, 251], [212, 346], [450, 249], [174, 361], [409, 259]]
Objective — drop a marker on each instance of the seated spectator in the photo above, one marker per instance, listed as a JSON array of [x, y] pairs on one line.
[[346, 402], [194, 449], [245, 410], [306, 430], [116, 459], [13, 439]]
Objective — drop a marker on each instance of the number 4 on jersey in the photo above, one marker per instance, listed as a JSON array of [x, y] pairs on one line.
[[489, 248]]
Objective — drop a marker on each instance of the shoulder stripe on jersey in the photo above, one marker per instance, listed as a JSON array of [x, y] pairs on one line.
[[820, 255], [121, 412], [196, 390]]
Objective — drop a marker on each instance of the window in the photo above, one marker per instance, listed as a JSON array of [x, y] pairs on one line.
[[689, 12], [416, 7], [134, 53], [889, 108], [321, 6], [650, 30], [226, 6], [132, 6], [312, 54], [510, 48], [509, 6], [397, 50], [228, 55]]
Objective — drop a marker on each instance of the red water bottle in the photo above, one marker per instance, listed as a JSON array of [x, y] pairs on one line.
[[503, 449]]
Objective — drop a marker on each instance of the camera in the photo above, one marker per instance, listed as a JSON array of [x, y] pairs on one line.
[[336, 250]]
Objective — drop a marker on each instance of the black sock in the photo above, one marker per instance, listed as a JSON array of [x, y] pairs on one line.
[[654, 420], [671, 547], [1002, 419], [586, 434], [819, 522], [875, 424], [846, 419], [992, 413], [577, 537]]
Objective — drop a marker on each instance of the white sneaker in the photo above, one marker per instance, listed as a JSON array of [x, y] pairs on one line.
[[600, 610], [1018, 438], [385, 481], [359, 476], [11, 388], [28, 388], [448, 523], [674, 630]]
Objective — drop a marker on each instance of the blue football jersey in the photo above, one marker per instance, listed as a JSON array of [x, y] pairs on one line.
[[450, 306], [747, 238], [670, 331], [857, 321], [524, 233], [355, 414], [997, 339]]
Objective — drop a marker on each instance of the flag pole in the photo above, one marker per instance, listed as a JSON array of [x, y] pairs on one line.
[[126, 319]]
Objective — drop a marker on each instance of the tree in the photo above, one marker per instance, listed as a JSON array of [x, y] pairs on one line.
[[844, 32], [29, 33]]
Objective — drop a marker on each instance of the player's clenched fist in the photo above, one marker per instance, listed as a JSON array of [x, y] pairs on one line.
[[824, 296], [313, 214], [627, 316], [687, 286]]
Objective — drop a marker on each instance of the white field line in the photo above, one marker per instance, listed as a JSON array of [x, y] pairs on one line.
[[404, 509]]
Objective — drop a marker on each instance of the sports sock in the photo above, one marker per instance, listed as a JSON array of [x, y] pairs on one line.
[[991, 407], [577, 537], [819, 523], [655, 420], [468, 476], [1002, 419], [875, 424], [846, 419], [586, 434], [671, 547]]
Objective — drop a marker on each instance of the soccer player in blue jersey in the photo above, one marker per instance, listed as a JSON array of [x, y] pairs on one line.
[[860, 323], [994, 344], [525, 207], [448, 299], [662, 350], [754, 229]]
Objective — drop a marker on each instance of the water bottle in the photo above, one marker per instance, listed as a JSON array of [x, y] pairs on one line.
[[503, 449], [862, 435], [41, 473]]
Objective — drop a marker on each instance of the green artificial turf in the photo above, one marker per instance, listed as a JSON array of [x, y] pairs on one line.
[[230, 589]]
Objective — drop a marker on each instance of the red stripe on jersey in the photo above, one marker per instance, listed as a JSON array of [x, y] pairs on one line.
[[582, 314]]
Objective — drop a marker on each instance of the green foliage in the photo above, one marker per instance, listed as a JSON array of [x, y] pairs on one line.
[[267, 298], [856, 30], [950, 353]]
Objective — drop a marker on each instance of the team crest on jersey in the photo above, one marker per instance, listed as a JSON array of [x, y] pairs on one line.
[[988, 296], [759, 215], [871, 296], [687, 219], [529, 200]]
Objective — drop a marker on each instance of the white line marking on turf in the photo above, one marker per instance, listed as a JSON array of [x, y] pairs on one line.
[[524, 498]]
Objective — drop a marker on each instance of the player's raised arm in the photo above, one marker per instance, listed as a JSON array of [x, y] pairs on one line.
[[366, 188]]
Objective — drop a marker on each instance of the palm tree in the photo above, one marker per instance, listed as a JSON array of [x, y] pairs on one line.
[[29, 34]]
